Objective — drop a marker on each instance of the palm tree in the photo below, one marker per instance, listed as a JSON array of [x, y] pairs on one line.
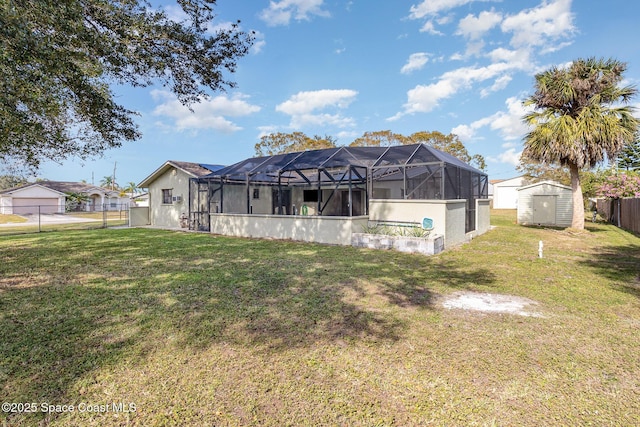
[[107, 182], [131, 189], [581, 118]]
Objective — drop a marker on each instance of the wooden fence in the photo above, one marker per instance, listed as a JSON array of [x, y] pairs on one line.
[[624, 213]]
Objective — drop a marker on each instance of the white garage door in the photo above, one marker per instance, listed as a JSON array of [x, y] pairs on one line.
[[25, 205]]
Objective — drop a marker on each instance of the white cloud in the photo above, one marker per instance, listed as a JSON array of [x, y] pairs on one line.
[[424, 98], [434, 7], [416, 62], [430, 28], [474, 27], [208, 114], [306, 108], [281, 12], [538, 26], [499, 84], [510, 156], [259, 42], [508, 123]]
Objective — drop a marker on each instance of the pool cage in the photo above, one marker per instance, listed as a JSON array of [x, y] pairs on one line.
[[336, 182]]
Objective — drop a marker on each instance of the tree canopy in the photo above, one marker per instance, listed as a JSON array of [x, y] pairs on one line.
[[279, 143], [449, 144], [59, 59], [10, 181], [629, 157], [581, 118], [381, 138]]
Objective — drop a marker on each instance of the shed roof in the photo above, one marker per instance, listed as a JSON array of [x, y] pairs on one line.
[[547, 182]]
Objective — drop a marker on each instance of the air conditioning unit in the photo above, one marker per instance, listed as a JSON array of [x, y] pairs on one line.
[[177, 199]]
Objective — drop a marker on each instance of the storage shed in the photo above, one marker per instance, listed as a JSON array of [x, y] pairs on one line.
[[545, 203]]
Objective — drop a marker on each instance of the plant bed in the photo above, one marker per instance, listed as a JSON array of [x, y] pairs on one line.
[[430, 245]]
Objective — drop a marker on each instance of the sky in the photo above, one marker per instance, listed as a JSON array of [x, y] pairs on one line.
[[343, 68]]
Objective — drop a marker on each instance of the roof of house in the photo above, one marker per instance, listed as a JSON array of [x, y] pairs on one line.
[[509, 182], [63, 187], [196, 170], [547, 182]]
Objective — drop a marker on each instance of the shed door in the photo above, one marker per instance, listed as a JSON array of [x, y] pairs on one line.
[[544, 209]]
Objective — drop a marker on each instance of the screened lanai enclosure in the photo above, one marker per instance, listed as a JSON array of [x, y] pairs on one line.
[[335, 182]]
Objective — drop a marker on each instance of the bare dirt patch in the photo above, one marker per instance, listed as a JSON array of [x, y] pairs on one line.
[[491, 303]]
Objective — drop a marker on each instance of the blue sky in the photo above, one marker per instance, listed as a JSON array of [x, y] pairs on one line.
[[342, 68]]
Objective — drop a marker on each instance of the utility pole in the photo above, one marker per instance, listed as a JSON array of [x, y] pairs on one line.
[[113, 178]]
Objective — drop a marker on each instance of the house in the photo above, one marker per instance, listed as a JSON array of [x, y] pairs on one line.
[[328, 195], [58, 197], [31, 199], [168, 191], [505, 192], [545, 203], [141, 200]]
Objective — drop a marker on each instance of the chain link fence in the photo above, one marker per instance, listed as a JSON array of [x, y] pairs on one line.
[[42, 218]]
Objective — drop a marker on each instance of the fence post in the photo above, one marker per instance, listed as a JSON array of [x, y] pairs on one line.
[[104, 215], [39, 221]]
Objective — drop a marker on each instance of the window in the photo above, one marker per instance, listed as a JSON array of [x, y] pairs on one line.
[[310, 195], [256, 193], [166, 196]]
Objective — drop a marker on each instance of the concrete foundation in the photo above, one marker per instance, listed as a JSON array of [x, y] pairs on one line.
[[434, 244]]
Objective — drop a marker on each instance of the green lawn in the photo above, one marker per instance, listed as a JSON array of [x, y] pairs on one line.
[[200, 330], [11, 219]]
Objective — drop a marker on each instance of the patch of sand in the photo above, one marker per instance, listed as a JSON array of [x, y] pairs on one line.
[[490, 303]]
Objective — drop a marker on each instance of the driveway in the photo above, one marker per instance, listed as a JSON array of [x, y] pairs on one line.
[[49, 219]]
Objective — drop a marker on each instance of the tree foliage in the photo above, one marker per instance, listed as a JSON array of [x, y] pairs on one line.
[[449, 144], [580, 119], [629, 157], [616, 186], [381, 138], [10, 181], [535, 171], [59, 58], [279, 143]]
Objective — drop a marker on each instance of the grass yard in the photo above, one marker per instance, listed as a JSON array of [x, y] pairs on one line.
[[11, 219], [15, 224], [194, 329]]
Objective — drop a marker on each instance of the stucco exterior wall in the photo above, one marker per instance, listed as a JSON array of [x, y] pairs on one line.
[[138, 216], [483, 216], [319, 229], [168, 215], [448, 215]]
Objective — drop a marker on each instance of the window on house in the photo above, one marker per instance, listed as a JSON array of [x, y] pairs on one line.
[[310, 195], [256, 193], [166, 196]]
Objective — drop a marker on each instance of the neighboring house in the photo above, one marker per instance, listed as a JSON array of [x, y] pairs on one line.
[[168, 190], [141, 200], [31, 199], [545, 203], [52, 197], [505, 192]]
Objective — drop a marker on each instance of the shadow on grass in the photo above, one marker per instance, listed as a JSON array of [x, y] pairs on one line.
[[75, 302], [620, 264]]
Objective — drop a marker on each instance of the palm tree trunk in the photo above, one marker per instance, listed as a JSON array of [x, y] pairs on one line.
[[577, 220]]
